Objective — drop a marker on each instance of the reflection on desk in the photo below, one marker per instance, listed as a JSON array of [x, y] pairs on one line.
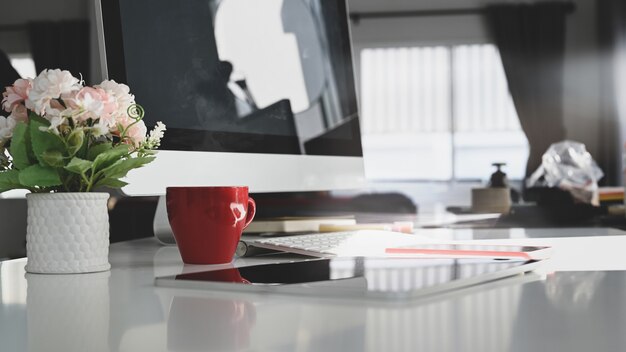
[[123, 311], [68, 312], [196, 322]]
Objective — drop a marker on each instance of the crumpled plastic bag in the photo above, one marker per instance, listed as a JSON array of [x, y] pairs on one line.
[[569, 166]]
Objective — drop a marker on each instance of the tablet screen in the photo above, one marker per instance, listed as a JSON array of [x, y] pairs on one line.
[[362, 275]]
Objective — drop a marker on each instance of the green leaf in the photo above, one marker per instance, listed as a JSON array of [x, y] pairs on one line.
[[39, 176], [110, 157], [110, 182], [121, 167], [82, 152], [44, 141], [79, 166], [20, 148], [75, 141], [98, 149], [35, 117], [9, 180], [53, 158]]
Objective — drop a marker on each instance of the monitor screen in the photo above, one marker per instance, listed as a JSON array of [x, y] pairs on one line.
[[245, 76], [253, 92]]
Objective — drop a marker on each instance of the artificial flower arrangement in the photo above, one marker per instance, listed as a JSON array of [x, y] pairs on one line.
[[63, 136]]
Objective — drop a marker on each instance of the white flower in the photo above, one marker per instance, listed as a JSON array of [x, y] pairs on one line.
[[50, 84], [92, 107], [100, 129], [154, 139], [7, 125], [120, 91], [55, 122]]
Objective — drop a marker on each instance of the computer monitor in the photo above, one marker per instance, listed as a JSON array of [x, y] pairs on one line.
[[253, 92]]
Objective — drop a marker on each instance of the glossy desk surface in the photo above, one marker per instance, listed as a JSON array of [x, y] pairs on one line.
[[577, 302]]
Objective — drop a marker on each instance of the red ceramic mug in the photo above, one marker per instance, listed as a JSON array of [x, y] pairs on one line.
[[207, 221]]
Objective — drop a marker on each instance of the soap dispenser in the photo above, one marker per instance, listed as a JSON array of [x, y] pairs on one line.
[[498, 179], [496, 197]]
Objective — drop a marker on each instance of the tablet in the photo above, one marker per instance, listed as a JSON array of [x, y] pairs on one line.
[[359, 277]]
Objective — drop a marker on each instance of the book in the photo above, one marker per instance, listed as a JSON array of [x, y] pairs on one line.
[[611, 194], [296, 224]]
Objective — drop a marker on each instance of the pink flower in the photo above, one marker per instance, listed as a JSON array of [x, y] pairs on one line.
[[92, 103], [55, 110], [135, 134], [16, 94], [19, 113], [121, 94]]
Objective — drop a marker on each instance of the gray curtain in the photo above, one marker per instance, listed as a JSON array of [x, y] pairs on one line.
[[612, 42], [64, 45], [531, 40]]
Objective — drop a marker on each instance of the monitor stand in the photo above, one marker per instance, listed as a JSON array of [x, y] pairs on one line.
[[161, 225]]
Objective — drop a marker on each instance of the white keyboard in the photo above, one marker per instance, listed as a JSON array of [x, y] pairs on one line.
[[349, 243]]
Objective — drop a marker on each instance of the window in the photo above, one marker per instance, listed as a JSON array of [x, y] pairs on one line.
[[438, 113], [24, 65]]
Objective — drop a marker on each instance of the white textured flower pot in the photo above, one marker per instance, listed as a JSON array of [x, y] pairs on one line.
[[67, 233]]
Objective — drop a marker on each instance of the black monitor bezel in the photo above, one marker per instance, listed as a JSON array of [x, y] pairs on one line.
[[114, 68]]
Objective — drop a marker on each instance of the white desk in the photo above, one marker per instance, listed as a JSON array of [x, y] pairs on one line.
[[121, 310]]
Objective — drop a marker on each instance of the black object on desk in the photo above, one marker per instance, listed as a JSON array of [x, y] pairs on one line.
[[298, 204], [132, 218], [13, 234], [551, 207]]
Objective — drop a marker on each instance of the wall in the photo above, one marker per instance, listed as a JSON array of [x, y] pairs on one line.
[[23, 11], [582, 77], [581, 93]]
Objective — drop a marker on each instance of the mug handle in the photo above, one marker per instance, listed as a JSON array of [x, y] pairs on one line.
[[251, 212]]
